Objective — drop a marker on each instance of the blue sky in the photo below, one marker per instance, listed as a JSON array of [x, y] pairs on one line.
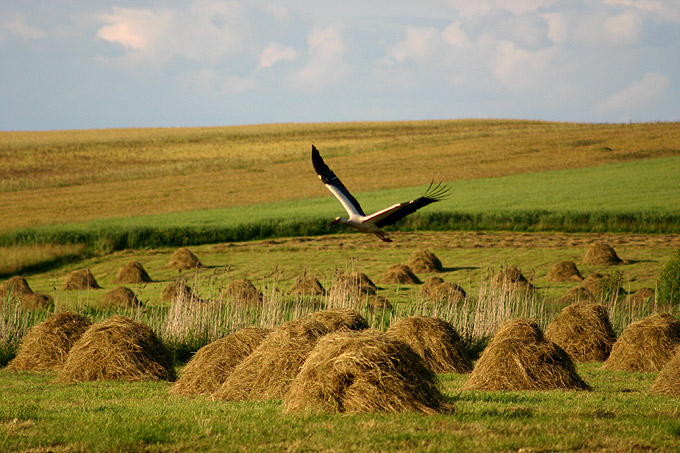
[[82, 64]]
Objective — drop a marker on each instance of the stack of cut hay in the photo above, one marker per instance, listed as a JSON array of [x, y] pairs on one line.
[[668, 380], [120, 297], [132, 273], [584, 331], [601, 285], [80, 279], [242, 292], [353, 283], [307, 285], [511, 279], [183, 260], [16, 289], [341, 318], [178, 291], [601, 254], [643, 296], [438, 290], [377, 302], [400, 273], [118, 348], [435, 340], [564, 271], [213, 363], [519, 357], [268, 371], [576, 294], [46, 345], [424, 261], [365, 371], [646, 345]]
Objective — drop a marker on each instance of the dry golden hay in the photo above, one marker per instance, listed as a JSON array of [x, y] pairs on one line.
[[213, 363], [643, 296], [341, 318], [438, 290], [15, 286], [668, 380], [365, 371], [601, 254], [424, 261], [576, 294], [376, 302], [564, 271], [120, 297], [596, 283], [183, 260], [35, 301], [242, 292], [268, 371], [80, 279], [584, 331], [118, 348], [17, 290], [355, 282], [512, 279], [132, 273], [46, 345], [400, 273], [519, 357], [646, 345], [435, 340], [307, 285], [178, 290]]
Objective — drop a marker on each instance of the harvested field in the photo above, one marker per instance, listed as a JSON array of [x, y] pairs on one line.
[[668, 380]]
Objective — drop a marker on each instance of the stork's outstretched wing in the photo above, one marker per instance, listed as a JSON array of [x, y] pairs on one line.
[[393, 214], [336, 186]]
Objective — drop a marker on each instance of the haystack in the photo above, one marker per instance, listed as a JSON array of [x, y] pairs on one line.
[[307, 285], [377, 302], [80, 279], [132, 273], [519, 357], [183, 260], [438, 290], [341, 319], [424, 261], [576, 294], [242, 292], [646, 345], [178, 290], [400, 273], [668, 380], [213, 363], [118, 348], [121, 297], [355, 282], [511, 279], [366, 371], [584, 331], [601, 254], [46, 345], [643, 296], [268, 371], [16, 289], [435, 340], [564, 271]]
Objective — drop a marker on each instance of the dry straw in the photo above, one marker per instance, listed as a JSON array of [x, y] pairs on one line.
[[668, 380], [183, 259], [341, 318], [307, 285], [438, 290], [242, 292], [424, 261], [80, 279], [46, 345], [120, 297], [646, 345], [512, 278], [400, 273], [519, 357], [366, 371], [564, 271], [601, 254], [132, 273], [17, 290]]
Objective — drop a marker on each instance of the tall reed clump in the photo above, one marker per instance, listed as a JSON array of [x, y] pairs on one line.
[[668, 287], [15, 322]]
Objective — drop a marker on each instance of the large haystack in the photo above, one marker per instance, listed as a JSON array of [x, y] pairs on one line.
[[268, 371], [519, 357], [132, 273], [366, 371], [213, 363], [576, 294], [341, 319], [17, 290], [438, 290], [584, 331], [512, 279], [118, 348], [46, 345], [435, 340], [646, 345], [424, 261], [307, 285], [79, 280], [601, 254], [400, 273], [564, 271], [668, 380], [242, 292], [183, 259], [121, 297]]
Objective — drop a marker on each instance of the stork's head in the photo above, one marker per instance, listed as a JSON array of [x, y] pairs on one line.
[[335, 221]]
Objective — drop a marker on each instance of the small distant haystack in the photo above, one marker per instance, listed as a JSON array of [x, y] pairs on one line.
[[46, 345], [438, 290], [183, 260], [213, 363], [519, 357], [642, 297], [400, 273], [511, 279], [132, 273], [593, 283], [564, 271], [268, 371], [178, 290], [120, 297], [80, 279], [341, 318], [377, 302], [118, 348], [16, 289], [584, 331], [354, 282], [424, 261], [242, 292], [307, 285], [601, 254], [360, 372], [668, 380], [435, 340], [646, 345], [576, 294]]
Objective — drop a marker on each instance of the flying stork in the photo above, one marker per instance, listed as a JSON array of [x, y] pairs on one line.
[[374, 222]]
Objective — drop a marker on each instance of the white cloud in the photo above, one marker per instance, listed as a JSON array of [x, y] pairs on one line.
[[468, 8], [667, 11], [419, 45], [235, 85], [15, 25], [637, 94], [275, 52], [624, 28]]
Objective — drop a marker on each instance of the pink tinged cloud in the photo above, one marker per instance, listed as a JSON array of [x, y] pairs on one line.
[[637, 94]]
